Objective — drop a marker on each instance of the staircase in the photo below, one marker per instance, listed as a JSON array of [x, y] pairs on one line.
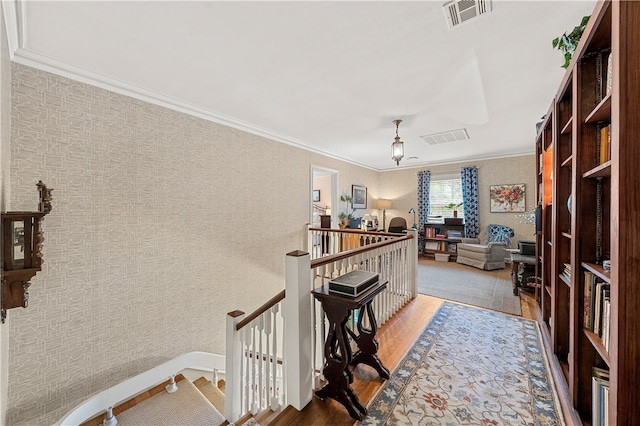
[[195, 403]]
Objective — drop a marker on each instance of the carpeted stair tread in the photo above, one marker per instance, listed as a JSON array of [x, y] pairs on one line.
[[211, 392], [186, 406]]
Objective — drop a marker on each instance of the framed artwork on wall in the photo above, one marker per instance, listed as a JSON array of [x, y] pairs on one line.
[[359, 194], [316, 195], [507, 198]]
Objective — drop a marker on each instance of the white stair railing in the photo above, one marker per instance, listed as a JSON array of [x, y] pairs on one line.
[[394, 259], [254, 361], [270, 365]]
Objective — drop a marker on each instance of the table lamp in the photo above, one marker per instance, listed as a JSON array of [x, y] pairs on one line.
[[414, 218]]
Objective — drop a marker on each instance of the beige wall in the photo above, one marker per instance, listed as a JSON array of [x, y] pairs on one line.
[[401, 186], [5, 135], [157, 230], [323, 184]]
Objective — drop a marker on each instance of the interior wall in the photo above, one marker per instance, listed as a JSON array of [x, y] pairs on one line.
[[5, 135], [323, 184], [157, 230], [401, 187]]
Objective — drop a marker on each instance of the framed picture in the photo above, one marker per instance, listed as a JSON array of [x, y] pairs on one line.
[[507, 198], [359, 194], [316, 195]]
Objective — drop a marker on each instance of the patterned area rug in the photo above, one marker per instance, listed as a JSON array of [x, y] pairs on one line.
[[470, 366]]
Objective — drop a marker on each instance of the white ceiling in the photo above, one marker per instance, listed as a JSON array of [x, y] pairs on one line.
[[330, 76]]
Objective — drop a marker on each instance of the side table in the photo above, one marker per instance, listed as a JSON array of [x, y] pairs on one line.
[[337, 351], [516, 260]]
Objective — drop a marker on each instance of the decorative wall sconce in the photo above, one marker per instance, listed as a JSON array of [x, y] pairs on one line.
[[22, 239]]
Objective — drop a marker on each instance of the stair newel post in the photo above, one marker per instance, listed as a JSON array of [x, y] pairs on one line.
[[296, 310], [233, 368], [413, 263]]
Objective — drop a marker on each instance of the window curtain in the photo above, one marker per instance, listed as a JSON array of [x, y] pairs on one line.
[[469, 180], [424, 183]]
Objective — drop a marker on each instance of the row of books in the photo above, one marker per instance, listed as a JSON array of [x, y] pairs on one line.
[[566, 273], [600, 397], [431, 232], [454, 234], [597, 307], [604, 148]]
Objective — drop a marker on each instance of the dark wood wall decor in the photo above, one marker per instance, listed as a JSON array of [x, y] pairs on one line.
[[22, 239]]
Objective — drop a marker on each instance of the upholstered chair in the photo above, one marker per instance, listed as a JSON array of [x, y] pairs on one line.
[[397, 225], [489, 255]]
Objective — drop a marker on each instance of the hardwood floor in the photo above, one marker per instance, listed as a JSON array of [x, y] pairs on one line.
[[395, 338]]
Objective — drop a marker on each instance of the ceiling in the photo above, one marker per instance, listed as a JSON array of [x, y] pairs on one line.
[[329, 76]]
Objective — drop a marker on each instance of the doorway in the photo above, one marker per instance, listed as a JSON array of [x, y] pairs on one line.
[[324, 193]]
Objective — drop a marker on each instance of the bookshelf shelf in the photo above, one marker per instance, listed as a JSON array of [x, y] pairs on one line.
[[602, 170], [591, 136], [597, 344], [567, 127], [602, 111], [598, 270]]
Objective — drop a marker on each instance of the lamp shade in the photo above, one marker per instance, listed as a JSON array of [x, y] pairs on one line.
[[384, 204]]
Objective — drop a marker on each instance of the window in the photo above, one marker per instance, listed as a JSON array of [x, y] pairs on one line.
[[443, 193]]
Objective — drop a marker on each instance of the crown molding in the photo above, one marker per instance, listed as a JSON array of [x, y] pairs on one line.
[[13, 12]]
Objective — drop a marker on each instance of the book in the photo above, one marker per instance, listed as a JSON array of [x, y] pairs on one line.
[[589, 291], [431, 245], [353, 283], [605, 141]]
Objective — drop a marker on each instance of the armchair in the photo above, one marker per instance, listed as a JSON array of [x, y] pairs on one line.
[[490, 255]]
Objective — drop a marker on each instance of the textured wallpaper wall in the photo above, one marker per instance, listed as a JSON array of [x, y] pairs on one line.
[[161, 224]]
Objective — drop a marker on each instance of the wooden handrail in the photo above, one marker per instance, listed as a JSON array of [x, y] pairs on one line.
[[261, 310], [345, 254], [326, 260]]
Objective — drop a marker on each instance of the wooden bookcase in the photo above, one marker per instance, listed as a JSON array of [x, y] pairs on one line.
[[444, 245], [602, 221]]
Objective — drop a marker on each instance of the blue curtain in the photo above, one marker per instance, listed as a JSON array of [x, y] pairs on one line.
[[469, 180], [424, 183]]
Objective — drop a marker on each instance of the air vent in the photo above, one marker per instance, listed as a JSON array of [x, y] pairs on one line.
[[445, 137], [460, 11]]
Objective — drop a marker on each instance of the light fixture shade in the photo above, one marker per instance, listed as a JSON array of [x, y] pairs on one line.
[[384, 204], [397, 150]]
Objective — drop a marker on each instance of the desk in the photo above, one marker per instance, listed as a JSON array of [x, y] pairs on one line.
[[337, 351], [516, 260]]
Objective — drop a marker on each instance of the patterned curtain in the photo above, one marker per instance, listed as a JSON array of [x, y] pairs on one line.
[[469, 180], [424, 183]]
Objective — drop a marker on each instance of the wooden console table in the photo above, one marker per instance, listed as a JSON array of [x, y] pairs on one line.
[[337, 350]]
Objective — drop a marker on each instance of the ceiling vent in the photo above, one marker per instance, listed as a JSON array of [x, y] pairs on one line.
[[445, 137], [460, 11]]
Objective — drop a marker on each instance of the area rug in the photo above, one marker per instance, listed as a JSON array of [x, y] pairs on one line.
[[465, 284], [470, 366]]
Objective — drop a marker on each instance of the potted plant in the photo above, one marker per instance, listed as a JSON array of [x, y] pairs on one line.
[[454, 206], [346, 215], [567, 43]]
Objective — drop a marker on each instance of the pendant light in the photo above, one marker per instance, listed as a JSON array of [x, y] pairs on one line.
[[397, 148]]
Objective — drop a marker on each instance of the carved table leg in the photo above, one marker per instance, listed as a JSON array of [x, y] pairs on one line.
[[336, 370], [368, 345]]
